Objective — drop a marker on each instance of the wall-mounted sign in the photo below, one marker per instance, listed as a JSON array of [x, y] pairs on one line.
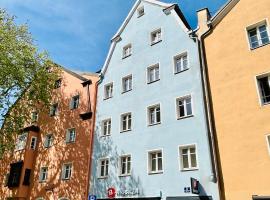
[[92, 197], [111, 193], [128, 192], [194, 186]]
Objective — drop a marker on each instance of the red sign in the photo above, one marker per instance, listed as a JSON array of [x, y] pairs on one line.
[[111, 193]]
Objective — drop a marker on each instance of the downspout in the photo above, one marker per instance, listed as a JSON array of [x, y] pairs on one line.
[[215, 161], [92, 141]]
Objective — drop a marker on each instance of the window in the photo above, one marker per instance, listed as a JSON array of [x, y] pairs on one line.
[[40, 198], [106, 127], [70, 135], [153, 73], [21, 142], [184, 107], [125, 165], [126, 122], [43, 175], [54, 110], [66, 171], [154, 115], [140, 11], [57, 83], [33, 143], [108, 91], [103, 168], [6, 180], [48, 141], [188, 157], [127, 51], [264, 88], [180, 63], [155, 36], [268, 142], [155, 162], [74, 103], [258, 35], [26, 178], [127, 83], [34, 117], [15, 174]]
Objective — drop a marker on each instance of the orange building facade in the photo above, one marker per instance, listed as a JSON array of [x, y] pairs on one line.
[[52, 156], [235, 42]]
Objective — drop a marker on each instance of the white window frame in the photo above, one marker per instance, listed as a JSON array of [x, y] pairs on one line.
[[106, 167], [127, 122], [39, 198], [129, 53], [75, 102], [41, 174], [149, 162], [21, 142], [48, 143], [256, 26], [110, 93], [68, 135], [268, 142], [155, 78], [152, 36], [180, 56], [149, 114], [126, 168], [63, 172], [129, 79], [188, 146], [108, 133], [139, 14], [34, 116], [35, 143], [259, 91], [178, 110]]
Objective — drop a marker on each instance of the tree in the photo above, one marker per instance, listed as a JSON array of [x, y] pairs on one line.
[[25, 80]]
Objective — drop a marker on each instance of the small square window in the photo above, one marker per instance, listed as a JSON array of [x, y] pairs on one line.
[[264, 88], [57, 83], [48, 141], [180, 63], [54, 110], [66, 171], [106, 127], [154, 115], [34, 117], [74, 103], [70, 135], [43, 174], [127, 83], [125, 165], [126, 122], [155, 36], [108, 91], [33, 143], [153, 73], [21, 142], [140, 11], [188, 157], [184, 107], [103, 168], [127, 51], [258, 35], [155, 162]]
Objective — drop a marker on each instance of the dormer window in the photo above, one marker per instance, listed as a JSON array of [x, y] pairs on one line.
[[57, 83], [140, 11], [127, 51], [258, 35], [155, 36]]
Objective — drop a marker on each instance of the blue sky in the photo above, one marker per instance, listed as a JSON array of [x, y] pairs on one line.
[[77, 33]]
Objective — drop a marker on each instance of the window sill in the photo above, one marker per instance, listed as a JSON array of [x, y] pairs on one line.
[[262, 45], [153, 43], [184, 117], [65, 179], [189, 169], [124, 57], [71, 142], [104, 136], [154, 124], [153, 81], [124, 175], [181, 71], [102, 177], [42, 181], [107, 98], [126, 91], [153, 173], [125, 131]]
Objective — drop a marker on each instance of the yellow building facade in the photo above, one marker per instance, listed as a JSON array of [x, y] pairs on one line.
[[236, 51]]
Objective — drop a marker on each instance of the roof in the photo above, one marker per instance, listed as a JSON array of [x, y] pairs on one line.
[[223, 11]]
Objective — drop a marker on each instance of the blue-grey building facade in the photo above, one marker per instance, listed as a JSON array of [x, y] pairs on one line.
[[151, 134]]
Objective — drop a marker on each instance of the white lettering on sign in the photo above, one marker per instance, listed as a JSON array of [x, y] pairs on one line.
[[124, 193]]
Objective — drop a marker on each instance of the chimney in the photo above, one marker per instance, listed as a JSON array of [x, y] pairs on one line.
[[203, 16]]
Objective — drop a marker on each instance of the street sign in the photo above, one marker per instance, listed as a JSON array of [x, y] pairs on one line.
[[92, 197], [111, 193]]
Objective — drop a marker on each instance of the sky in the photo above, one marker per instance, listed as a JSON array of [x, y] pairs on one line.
[[77, 33]]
